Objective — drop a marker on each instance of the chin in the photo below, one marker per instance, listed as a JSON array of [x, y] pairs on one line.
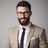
[[23, 23]]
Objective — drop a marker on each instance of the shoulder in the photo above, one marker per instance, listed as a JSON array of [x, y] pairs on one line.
[[12, 29], [38, 29]]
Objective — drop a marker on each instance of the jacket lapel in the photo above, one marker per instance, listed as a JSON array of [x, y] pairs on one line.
[[30, 34]]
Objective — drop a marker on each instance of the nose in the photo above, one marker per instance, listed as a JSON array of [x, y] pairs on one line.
[[23, 15]]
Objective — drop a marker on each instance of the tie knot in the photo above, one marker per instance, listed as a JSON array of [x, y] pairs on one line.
[[24, 29]]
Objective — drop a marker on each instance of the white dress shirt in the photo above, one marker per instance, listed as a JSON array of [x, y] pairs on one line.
[[26, 32]]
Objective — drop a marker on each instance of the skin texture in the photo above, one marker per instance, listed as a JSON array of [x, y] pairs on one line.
[[25, 15]]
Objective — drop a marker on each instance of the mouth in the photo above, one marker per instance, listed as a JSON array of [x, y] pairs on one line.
[[22, 20]]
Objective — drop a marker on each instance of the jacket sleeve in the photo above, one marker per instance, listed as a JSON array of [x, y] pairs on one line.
[[42, 40]]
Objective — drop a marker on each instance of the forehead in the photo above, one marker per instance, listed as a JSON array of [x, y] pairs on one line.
[[20, 8]]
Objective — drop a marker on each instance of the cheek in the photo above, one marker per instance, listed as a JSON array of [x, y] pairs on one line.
[[27, 16], [18, 16]]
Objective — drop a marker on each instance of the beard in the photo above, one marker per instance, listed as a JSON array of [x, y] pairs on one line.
[[24, 21]]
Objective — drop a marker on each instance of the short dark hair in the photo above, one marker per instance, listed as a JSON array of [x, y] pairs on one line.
[[24, 4]]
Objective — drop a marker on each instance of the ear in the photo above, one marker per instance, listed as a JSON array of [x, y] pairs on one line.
[[30, 13]]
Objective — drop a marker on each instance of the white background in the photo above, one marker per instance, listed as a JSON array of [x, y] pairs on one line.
[[8, 16]]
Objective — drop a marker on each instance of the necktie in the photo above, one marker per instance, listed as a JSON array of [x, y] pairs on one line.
[[22, 38]]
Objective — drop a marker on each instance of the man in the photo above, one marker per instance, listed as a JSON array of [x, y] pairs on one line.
[[26, 34]]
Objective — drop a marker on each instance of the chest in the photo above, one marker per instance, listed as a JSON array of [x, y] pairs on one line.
[[25, 36]]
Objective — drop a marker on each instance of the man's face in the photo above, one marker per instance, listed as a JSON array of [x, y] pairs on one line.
[[23, 15]]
